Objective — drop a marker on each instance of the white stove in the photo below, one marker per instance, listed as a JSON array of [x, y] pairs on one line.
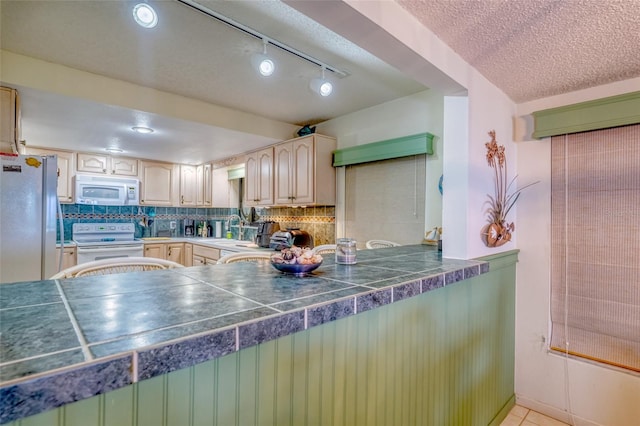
[[96, 241]]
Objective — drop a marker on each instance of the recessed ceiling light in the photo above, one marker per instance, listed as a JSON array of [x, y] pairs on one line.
[[145, 16], [113, 150], [140, 129]]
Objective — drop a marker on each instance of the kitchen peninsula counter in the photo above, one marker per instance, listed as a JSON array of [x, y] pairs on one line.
[[68, 340]]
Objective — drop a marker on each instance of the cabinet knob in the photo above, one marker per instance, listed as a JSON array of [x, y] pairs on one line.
[[182, 199], [104, 170]]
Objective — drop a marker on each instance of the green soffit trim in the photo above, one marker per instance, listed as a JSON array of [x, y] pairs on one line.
[[421, 143], [602, 113]]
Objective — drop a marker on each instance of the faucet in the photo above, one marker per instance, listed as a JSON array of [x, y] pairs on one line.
[[240, 224]]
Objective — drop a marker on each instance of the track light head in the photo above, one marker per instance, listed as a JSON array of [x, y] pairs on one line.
[[145, 15], [262, 62], [321, 86]]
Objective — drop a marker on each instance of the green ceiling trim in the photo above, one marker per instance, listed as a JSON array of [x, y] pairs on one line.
[[235, 172], [421, 143], [602, 113]]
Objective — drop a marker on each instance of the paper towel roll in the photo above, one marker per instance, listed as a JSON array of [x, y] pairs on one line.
[[218, 229]]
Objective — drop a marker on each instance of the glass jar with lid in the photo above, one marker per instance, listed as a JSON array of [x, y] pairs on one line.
[[346, 251]]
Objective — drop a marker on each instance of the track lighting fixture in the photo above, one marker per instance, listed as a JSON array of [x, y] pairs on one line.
[[263, 63], [321, 86]]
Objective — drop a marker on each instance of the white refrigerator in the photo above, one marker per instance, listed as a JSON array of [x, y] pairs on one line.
[[28, 204]]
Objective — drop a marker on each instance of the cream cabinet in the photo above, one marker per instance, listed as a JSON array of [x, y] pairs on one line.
[[204, 194], [258, 182], [107, 165], [188, 254], [175, 252], [9, 120], [205, 255], [157, 183], [166, 251], [303, 171], [188, 187], [68, 257], [225, 191], [157, 250], [66, 170]]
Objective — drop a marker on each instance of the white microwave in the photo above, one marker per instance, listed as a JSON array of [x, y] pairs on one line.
[[106, 190]]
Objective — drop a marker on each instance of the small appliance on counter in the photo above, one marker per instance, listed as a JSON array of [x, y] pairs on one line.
[[189, 228], [265, 231], [290, 237]]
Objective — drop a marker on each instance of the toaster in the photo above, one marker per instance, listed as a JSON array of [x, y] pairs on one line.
[[265, 231], [290, 237]]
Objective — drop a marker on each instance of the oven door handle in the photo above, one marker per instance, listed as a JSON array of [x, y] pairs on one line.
[[110, 248]]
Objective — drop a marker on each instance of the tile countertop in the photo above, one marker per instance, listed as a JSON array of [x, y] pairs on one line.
[[67, 340]]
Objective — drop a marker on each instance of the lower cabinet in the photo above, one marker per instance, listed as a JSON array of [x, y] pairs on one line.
[[175, 252], [68, 257], [157, 250], [205, 255], [188, 254]]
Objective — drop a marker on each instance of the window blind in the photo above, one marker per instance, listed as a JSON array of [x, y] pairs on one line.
[[386, 200], [595, 247]]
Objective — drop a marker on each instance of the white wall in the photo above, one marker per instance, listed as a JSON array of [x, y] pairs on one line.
[[598, 395], [419, 113]]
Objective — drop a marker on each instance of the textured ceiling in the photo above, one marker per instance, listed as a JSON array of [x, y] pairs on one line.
[[538, 48], [528, 48]]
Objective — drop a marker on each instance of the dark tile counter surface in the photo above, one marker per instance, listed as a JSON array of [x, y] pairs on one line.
[[66, 340]]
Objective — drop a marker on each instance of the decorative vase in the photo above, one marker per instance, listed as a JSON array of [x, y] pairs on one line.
[[497, 234]]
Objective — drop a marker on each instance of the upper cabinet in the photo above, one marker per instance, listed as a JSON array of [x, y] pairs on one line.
[[304, 173], [107, 165], [258, 182], [225, 191], [66, 169], [9, 120], [204, 188], [157, 183], [188, 181]]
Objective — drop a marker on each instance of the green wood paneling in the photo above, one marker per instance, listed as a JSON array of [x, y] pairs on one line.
[[603, 113], [442, 358], [384, 150]]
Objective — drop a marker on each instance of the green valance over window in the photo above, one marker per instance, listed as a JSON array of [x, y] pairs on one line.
[[421, 143], [602, 113]]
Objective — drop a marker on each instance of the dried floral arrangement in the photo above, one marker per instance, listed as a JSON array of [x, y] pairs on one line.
[[499, 231]]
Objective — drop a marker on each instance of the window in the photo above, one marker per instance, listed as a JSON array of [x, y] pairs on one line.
[[595, 267]]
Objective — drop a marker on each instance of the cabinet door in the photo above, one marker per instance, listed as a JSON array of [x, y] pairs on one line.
[[9, 119], [251, 190], [265, 176], [65, 171], [283, 167], [175, 252], [188, 185], [200, 185], [158, 251], [68, 257], [93, 163], [303, 171], [122, 166], [188, 254], [156, 183], [225, 191], [207, 185]]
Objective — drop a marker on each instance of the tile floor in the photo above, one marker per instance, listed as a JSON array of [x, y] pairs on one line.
[[521, 416]]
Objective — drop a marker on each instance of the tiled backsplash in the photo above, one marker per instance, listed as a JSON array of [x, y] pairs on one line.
[[318, 221]]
